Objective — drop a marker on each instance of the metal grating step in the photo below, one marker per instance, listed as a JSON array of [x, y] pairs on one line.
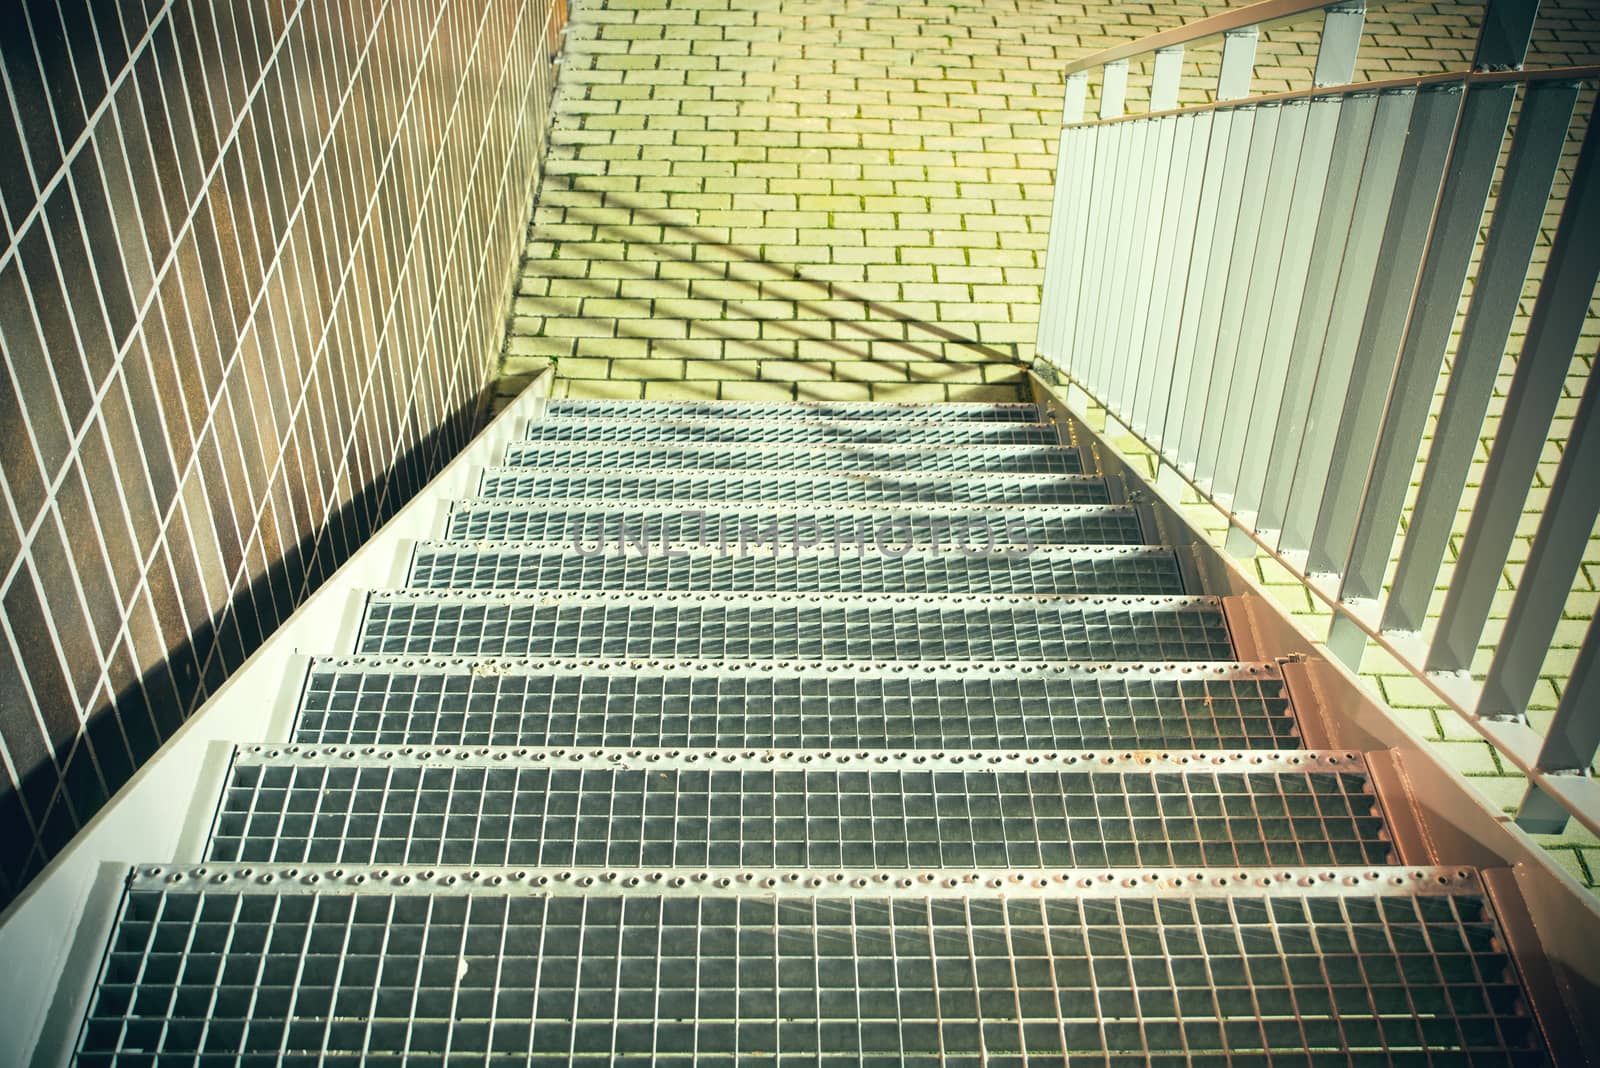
[[789, 432], [797, 810], [954, 411], [905, 459], [793, 488], [794, 627], [888, 526], [813, 569], [1386, 968], [405, 701]]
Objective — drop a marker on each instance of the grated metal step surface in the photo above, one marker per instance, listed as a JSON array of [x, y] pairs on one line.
[[852, 706], [806, 569], [890, 526], [789, 432], [705, 808], [904, 459], [955, 411], [792, 488], [794, 627], [1396, 968], [799, 734]]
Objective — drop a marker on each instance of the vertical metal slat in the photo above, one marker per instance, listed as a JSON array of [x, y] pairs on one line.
[[1341, 40], [1572, 739], [1504, 34], [1183, 192], [1238, 63], [1455, 233], [1553, 562], [1084, 144], [1263, 156], [1060, 254], [1196, 282], [1092, 310], [1113, 88], [1352, 291], [1518, 215], [1357, 114], [1394, 285], [1553, 332], [1222, 457], [1128, 344], [1164, 78], [1287, 299], [1123, 280]]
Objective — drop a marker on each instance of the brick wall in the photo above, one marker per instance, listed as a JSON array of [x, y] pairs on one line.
[[798, 198], [253, 278]]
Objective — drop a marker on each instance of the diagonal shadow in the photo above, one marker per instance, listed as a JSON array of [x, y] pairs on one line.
[[832, 291]]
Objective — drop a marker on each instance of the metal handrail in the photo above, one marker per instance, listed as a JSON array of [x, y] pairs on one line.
[[1464, 77], [1262, 288], [1239, 18]]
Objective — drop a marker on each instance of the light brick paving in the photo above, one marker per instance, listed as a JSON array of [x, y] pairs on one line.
[[799, 199]]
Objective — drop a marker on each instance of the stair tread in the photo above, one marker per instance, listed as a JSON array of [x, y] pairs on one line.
[[958, 411], [848, 705], [825, 568], [831, 456], [912, 969], [789, 626], [729, 522], [798, 487], [552, 808], [890, 800], [739, 431]]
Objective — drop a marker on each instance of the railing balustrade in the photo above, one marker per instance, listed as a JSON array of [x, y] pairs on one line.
[[1264, 289]]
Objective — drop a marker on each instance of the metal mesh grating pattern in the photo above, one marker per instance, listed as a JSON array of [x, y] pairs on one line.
[[436, 808], [957, 411], [995, 459], [565, 522], [1159, 629], [374, 702], [606, 978], [779, 432], [696, 487], [599, 566]]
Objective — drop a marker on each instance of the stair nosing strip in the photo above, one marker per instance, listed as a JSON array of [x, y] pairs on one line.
[[387, 663], [780, 507], [1141, 883], [821, 447], [809, 421], [1008, 477], [1167, 761], [1175, 602], [755, 549]]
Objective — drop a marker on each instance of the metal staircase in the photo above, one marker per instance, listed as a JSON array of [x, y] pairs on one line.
[[799, 734]]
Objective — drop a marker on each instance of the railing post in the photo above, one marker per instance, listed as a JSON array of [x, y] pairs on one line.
[[1077, 93], [1113, 88], [1553, 332], [1572, 740], [1164, 80], [1341, 40], [1238, 64], [1503, 38]]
